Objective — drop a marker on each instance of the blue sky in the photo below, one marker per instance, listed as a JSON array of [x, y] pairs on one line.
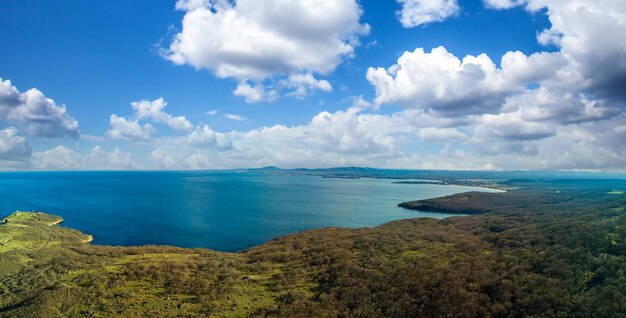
[[97, 57]]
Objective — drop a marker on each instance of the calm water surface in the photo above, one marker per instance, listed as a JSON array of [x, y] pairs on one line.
[[225, 211]]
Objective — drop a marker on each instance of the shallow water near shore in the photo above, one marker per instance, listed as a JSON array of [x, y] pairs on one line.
[[225, 211]]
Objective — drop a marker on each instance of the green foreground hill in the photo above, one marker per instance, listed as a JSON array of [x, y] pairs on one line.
[[537, 253]]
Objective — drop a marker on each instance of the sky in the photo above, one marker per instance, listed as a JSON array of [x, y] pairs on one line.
[[218, 84]]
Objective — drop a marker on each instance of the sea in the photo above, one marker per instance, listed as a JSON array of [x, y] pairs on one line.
[[220, 210]]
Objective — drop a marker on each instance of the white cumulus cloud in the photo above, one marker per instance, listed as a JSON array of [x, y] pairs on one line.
[[153, 110], [258, 40], [34, 113], [163, 159], [13, 147], [442, 82], [416, 13], [122, 128], [546, 110], [255, 93], [511, 127], [590, 37], [302, 84], [59, 158], [235, 117], [99, 159], [205, 137], [503, 4], [133, 129], [63, 158]]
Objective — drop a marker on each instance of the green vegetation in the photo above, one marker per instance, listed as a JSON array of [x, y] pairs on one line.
[[525, 253], [31, 230]]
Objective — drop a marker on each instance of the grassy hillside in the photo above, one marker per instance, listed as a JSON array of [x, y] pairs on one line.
[[541, 253]]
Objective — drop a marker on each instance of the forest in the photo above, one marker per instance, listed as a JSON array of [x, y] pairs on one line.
[[544, 248]]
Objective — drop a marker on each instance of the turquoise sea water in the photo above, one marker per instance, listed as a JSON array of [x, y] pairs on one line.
[[225, 211]]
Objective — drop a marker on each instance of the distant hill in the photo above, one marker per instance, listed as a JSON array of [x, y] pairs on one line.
[[442, 175]]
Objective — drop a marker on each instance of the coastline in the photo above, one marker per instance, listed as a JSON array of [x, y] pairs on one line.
[[89, 239], [477, 185], [57, 222]]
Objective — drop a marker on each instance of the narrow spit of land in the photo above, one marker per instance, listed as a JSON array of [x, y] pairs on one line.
[[546, 249]]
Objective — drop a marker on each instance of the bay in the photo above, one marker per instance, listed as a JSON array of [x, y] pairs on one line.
[[221, 210]]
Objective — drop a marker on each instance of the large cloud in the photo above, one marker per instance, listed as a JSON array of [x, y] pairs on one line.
[[420, 12], [34, 113], [442, 82], [252, 40]]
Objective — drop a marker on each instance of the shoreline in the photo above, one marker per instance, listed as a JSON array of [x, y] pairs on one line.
[[57, 222], [453, 183], [89, 239]]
